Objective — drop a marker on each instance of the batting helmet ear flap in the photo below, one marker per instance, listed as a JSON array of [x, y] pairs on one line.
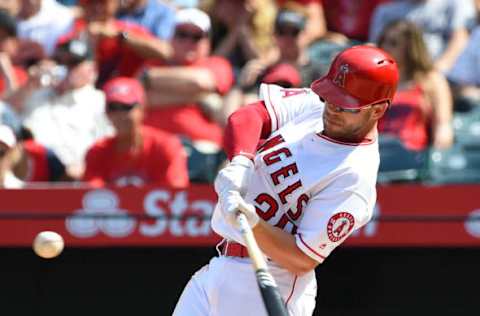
[[358, 77]]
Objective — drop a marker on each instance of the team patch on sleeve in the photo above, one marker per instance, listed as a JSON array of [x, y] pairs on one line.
[[339, 225]]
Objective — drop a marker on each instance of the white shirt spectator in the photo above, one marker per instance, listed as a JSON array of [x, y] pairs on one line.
[[52, 21], [68, 124], [466, 70], [437, 18], [11, 182], [8, 117], [7, 143]]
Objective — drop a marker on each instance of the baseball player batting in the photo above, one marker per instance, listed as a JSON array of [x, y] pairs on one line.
[[303, 191]]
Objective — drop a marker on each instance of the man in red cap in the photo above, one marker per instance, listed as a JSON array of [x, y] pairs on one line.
[[136, 155], [303, 191], [180, 92]]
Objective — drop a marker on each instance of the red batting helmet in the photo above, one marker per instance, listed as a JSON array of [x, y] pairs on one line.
[[358, 77]]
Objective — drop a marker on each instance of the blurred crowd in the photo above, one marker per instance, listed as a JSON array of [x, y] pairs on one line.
[[136, 92]]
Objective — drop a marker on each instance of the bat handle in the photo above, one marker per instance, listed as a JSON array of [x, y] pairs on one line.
[[254, 251], [268, 288]]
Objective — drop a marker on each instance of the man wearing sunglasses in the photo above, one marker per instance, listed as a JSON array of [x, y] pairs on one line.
[[289, 68], [179, 92], [310, 184], [136, 155]]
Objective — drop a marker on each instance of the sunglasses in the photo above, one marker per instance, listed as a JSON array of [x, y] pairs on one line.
[[193, 36], [120, 107], [287, 31], [346, 110]]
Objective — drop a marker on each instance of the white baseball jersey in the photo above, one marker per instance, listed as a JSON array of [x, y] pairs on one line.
[[314, 187]]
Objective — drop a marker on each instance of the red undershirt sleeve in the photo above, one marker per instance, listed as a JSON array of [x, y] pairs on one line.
[[245, 128]]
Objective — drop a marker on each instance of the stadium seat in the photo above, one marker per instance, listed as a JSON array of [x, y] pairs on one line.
[[321, 53], [398, 164], [204, 160], [467, 127], [459, 164]]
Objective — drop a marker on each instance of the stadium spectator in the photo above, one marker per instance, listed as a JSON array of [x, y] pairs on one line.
[[465, 75], [316, 26], [288, 26], [15, 55], [120, 48], [11, 7], [184, 4], [61, 106], [288, 69], [180, 93], [242, 29], [136, 155], [69, 3], [44, 21], [34, 162], [155, 15], [349, 20], [444, 24], [9, 117], [7, 146], [421, 111]]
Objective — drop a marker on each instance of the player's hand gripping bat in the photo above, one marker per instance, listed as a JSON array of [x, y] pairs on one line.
[[270, 294]]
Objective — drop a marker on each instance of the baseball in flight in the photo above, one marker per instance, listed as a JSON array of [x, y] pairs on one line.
[[48, 244]]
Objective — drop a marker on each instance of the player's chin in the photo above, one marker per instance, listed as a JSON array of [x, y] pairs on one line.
[[332, 127]]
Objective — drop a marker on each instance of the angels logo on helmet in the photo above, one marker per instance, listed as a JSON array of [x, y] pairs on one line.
[[341, 76]]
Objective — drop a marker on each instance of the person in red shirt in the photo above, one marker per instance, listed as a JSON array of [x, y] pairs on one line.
[[350, 18], [136, 155], [121, 48], [180, 93], [421, 111], [37, 163]]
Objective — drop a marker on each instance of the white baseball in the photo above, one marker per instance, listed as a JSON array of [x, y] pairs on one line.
[[48, 244]]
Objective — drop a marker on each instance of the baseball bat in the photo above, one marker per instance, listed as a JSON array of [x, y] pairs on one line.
[[270, 294]]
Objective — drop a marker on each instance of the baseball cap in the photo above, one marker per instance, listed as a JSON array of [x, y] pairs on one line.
[[291, 18], [124, 90], [195, 17], [283, 74], [7, 136]]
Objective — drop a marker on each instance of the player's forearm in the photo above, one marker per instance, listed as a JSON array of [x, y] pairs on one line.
[[281, 247]]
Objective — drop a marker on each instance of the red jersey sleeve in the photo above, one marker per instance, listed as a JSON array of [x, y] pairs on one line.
[[253, 118]]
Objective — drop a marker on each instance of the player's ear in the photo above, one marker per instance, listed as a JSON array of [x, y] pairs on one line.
[[379, 110]]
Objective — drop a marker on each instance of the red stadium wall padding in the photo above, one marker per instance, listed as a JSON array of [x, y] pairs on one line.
[[405, 215]]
